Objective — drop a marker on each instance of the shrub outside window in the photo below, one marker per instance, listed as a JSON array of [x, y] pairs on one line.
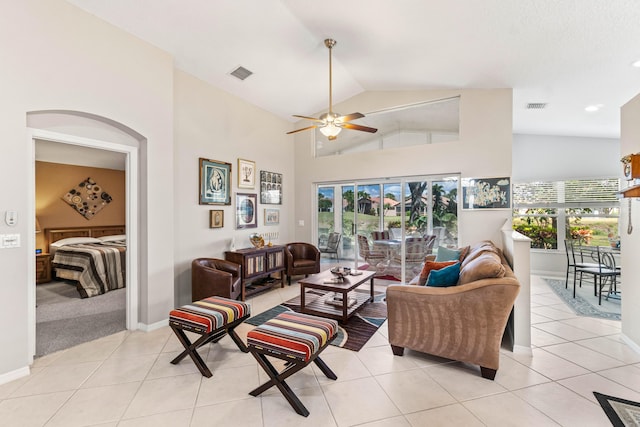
[[549, 212]]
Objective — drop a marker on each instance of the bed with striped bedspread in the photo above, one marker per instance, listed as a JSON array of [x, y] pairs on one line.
[[97, 267]]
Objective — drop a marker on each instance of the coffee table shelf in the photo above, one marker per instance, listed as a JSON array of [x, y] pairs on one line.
[[319, 307]]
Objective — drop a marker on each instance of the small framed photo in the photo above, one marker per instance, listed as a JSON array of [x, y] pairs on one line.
[[271, 216], [486, 193], [246, 174], [216, 218], [270, 188], [215, 182], [246, 210]]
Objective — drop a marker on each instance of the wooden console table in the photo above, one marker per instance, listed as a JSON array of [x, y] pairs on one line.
[[256, 264]]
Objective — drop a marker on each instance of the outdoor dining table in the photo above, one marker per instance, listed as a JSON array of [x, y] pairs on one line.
[[388, 246]]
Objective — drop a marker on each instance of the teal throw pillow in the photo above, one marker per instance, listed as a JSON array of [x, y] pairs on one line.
[[446, 254], [445, 277]]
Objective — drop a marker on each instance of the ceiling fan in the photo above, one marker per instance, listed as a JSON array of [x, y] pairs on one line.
[[330, 124]]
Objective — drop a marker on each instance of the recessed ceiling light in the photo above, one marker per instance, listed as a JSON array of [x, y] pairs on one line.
[[593, 108], [636, 64]]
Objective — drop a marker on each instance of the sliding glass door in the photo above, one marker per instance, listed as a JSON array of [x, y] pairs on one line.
[[415, 215]]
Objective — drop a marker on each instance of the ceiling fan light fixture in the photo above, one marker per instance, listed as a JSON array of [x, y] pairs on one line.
[[330, 123], [330, 130]]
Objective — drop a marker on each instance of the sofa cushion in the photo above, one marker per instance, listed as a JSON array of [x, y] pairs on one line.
[[445, 277], [431, 265], [485, 266], [477, 250]]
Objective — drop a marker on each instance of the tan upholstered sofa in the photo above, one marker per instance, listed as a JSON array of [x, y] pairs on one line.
[[465, 322]]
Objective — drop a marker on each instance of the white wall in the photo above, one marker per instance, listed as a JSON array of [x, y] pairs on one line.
[[555, 158], [212, 124], [630, 143], [55, 56], [484, 150]]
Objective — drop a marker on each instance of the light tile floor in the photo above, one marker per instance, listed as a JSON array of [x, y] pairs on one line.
[[127, 380]]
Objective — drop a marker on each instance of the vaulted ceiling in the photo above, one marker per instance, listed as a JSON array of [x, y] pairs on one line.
[[569, 54]]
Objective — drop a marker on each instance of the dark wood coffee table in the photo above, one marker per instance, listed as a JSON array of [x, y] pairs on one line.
[[341, 312]]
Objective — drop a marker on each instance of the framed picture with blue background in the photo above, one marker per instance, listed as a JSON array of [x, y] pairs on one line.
[[215, 182]]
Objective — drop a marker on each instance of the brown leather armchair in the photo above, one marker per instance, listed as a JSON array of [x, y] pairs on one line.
[[211, 276], [302, 258]]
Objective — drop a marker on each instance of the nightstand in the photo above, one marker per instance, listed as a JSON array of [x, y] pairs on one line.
[[43, 268]]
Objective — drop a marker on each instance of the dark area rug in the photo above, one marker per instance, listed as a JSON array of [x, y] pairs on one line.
[[621, 412], [585, 303], [354, 334]]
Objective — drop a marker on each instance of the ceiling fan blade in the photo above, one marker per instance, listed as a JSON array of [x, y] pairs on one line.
[[358, 127], [300, 130], [313, 119], [349, 117]]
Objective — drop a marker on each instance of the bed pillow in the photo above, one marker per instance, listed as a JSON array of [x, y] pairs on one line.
[[74, 241], [429, 266], [445, 277], [113, 238]]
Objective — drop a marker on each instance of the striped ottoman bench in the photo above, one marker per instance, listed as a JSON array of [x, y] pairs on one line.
[[212, 318], [296, 338]]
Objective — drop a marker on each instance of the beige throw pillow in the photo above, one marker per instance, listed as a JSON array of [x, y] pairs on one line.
[[485, 266]]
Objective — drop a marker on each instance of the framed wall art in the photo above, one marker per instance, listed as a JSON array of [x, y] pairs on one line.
[[246, 174], [270, 188], [246, 210], [87, 198], [271, 216], [215, 182], [486, 193], [216, 218]]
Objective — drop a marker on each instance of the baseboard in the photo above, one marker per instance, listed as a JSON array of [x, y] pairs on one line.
[[549, 274], [14, 375], [152, 327], [520, 349], [635, 347]]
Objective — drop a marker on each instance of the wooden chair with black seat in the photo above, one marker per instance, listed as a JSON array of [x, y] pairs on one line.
[[302, 259], [333, 242], [215, 277]]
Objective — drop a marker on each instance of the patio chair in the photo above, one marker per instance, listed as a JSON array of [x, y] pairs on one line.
[[373, 258], [380, 235], [333, 243]]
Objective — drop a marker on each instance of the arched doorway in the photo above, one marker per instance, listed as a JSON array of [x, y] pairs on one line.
[[85, 130]]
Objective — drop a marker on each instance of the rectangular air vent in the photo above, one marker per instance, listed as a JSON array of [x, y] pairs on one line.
[[536, 105], [241, 73]]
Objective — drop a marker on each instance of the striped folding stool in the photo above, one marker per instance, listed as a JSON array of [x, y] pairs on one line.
[[296, 338], [212, 318]]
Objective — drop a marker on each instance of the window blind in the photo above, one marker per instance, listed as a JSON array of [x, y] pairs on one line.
[[574, 193]]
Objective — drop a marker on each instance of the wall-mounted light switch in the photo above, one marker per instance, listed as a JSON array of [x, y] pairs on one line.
[[9, 240], [11, 218]]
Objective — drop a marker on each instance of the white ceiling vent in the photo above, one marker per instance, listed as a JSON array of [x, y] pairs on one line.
[[536, 105], [241, 73]]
